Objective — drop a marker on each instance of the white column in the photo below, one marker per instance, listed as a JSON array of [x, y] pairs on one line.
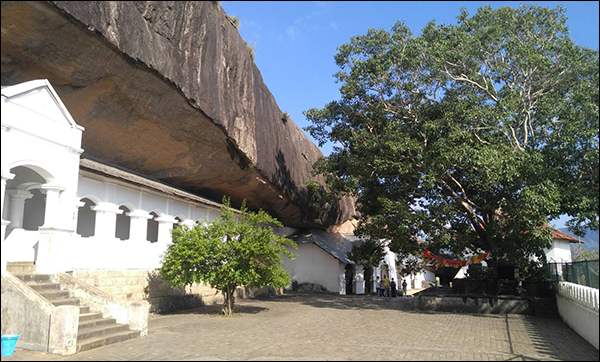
[[165, 226], [77, 205], [53, 209], [3, 253], [69, 206], [106, 219], [342, 278], [138, 227], [5, 177], [359, 279], [16, 207], [373, 281]]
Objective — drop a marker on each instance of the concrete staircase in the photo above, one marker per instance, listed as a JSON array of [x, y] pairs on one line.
[[94, 331]]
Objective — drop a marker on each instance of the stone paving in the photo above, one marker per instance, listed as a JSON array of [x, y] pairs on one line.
[[330, 327]]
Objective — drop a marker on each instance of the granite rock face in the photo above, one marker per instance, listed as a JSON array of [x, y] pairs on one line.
[[169, 90]]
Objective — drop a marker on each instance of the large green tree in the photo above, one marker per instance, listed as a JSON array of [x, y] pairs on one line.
[[235, 250], [470, 136]]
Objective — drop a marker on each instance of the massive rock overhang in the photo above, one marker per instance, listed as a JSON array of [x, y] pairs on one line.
[[168, 90]]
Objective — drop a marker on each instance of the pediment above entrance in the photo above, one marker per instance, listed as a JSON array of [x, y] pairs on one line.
[[38, 99]]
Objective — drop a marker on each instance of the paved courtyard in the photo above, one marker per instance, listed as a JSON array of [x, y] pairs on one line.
[[331, 327]]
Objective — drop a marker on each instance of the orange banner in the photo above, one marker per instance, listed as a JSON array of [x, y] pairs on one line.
[[430, 259]]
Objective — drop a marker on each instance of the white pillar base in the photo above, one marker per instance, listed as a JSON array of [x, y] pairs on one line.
[[53, 251], [359, 279]]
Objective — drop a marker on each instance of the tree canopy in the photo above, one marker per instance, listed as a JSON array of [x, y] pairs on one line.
[[235, 250], [368, 254], [471, 136]]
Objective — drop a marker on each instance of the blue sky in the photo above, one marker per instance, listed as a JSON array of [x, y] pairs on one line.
[[295, 42]]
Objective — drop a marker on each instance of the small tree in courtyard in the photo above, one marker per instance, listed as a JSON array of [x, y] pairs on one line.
[[231, 251]]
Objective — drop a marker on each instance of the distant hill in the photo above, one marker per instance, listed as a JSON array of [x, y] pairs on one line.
[[590, 238]]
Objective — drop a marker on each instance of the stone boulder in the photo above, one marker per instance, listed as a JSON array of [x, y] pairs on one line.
[[312, 287]]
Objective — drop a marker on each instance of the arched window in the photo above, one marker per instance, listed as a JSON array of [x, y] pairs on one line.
[[152, 232], [123, 224], [86, 219], [178, 224]]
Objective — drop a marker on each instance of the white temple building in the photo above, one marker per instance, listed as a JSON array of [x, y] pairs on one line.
[[64, 212], [108, 226]]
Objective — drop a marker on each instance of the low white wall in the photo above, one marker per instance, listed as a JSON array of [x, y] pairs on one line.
[[21, 245], [96, 253], [578, 307], [313, 265]]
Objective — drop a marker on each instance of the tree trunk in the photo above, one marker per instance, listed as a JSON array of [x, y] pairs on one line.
[[229, 294]]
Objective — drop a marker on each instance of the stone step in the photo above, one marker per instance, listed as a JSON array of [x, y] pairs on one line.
[[95, 323], [20, 268], [36, 278], [86, 345], [65, 301], [83, 317], [44, 287], [83, 309], [100, 331], [54, 294]]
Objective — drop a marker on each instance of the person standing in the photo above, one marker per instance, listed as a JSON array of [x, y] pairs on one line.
[[404, 288], [393, 288], [386, 286], [378, 287], [381, 289]]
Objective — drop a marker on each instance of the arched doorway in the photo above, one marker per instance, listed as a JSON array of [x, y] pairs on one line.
[[25, 210], [86, 219], [152, 231], [349, 278], [24, 203], [368, 280], [123, 227], [384, 271], [34, 211]]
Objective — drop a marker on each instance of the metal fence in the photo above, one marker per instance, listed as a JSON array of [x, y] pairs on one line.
[[578, 272]]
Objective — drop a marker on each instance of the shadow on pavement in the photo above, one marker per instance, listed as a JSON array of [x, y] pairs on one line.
[[345, 302], [215, 310], [550, 338]]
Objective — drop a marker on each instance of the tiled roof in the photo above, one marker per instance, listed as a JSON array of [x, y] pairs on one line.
[[560, 235], [334, 244]]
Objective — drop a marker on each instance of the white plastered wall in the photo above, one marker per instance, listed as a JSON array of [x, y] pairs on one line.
[[108, 252], [39, 134], [560, 252], [313, 265]]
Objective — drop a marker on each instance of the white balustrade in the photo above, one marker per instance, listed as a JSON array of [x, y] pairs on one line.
[[581, 295]]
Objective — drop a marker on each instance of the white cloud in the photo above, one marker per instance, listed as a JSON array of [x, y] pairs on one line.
[[333, 25], [291, 32]]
